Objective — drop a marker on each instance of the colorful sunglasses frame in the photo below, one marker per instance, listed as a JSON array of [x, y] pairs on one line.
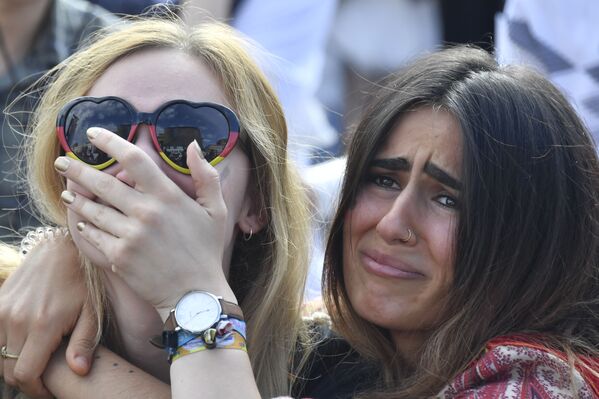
[[149, 119]]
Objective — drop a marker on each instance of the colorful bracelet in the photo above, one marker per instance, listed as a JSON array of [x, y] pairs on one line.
[[230, 334]]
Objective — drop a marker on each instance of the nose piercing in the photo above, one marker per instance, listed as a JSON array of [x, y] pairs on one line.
[[408, 238]]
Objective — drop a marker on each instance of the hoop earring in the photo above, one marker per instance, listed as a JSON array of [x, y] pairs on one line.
[[247, 237], [407, 240]]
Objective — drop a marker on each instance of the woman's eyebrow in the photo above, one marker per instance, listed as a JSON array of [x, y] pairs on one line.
[[402, 164], [442, 176]]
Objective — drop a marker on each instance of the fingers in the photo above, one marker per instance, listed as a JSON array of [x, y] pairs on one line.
[[32, 362], [82, 344], [102, 216], [104, 242], [14, 345], [206, 181], [134, 160]]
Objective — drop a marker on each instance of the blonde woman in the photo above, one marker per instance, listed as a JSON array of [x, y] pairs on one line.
[[143, 67]]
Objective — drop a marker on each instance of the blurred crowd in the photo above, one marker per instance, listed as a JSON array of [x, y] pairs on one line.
[[323, 57]]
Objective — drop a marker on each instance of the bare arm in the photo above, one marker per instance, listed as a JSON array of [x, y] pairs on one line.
[[110, 377], [218, 373]]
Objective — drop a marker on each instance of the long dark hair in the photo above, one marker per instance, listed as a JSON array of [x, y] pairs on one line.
[[527, 240]]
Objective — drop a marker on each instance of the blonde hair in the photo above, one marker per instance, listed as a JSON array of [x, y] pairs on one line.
[[9, 261], [277, 265]]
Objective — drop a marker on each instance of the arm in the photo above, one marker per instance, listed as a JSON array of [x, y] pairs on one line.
[[43, 300], [173, 272], [110, 377]]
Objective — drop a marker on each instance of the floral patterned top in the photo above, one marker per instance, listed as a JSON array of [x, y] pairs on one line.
[[516, 367]]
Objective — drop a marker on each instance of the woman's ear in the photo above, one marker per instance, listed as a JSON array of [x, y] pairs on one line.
[[252, 218]]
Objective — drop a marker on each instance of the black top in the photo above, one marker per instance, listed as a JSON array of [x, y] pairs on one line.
[[335, 370]]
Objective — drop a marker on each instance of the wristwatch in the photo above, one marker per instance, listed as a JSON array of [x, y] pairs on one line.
[[195, 314]]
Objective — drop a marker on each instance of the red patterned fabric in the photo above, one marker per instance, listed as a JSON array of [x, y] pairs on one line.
[[517, 367]]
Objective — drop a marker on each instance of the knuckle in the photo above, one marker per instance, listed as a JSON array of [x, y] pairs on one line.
[[98, 216], [104, 183], [18, 320], [133, 157], [149, 216], [85, 343], [9, 378], [23, 375], [41, 323]]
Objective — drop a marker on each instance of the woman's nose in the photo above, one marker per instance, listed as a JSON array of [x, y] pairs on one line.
[[397, 226], [143, 141]]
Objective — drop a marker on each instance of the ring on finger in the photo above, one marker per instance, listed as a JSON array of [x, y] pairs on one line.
[[4, 354]]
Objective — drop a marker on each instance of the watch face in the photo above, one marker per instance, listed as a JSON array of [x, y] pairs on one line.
[[197, 311]]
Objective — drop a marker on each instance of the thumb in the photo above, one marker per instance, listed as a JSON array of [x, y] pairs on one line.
[[82, 342], [205, 179]]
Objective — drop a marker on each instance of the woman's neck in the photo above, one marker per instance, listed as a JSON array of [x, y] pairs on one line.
[[408, 344]]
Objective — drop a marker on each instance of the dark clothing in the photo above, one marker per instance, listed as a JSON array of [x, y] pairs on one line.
[[470, 21], [65, 25], [335, 371], [131, 7]]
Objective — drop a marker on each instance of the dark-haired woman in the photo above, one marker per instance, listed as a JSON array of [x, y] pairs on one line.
[[464, 253]]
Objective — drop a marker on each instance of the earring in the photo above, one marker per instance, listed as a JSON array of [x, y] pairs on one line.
[[407, 239], [247, 237]]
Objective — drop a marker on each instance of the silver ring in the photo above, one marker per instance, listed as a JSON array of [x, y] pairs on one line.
[[410, 235], [5, 355]]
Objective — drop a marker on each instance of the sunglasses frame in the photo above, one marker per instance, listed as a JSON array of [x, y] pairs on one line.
[[149, 119]]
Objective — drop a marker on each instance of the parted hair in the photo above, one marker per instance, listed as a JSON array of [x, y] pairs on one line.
[[267, 273], [527, 240]]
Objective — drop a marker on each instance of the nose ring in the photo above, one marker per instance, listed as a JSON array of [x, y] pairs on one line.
[[408, 238]]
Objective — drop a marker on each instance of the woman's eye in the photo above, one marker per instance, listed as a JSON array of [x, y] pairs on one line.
[[447, 201], [384, 181]]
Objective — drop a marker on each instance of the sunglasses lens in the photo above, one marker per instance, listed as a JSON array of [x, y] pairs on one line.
[[180, 124], [108, 114]]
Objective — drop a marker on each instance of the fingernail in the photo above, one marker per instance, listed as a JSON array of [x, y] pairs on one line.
[[61, 164], [198, 149], [81, 361], [67, 197], [81, 226], [93, 132]]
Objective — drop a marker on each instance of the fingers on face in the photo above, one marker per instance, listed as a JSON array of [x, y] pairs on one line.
[[103, 185], [102, 216], [132, 158], [206, 181]]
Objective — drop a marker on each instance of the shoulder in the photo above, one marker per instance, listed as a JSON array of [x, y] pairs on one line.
[[333, 369], [519, 370]]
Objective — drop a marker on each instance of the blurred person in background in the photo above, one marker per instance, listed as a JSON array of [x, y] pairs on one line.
[[560, 40], [131, 7], [35, 35], [294, 34]]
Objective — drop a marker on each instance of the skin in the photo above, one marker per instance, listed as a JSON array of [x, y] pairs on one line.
[[128, 208], [394, 284]]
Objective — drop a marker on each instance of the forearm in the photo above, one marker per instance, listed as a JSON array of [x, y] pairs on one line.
[[110, 377], [217, 373]]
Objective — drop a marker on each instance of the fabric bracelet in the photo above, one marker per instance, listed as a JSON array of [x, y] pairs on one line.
[[230, 335]]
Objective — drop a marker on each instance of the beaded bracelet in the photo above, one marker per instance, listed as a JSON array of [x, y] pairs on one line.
[[40, 234], [230, 334]]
